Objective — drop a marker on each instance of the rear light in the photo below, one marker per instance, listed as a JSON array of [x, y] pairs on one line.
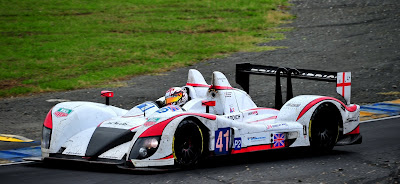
[[46, 136], [46, 130], [48, 122]]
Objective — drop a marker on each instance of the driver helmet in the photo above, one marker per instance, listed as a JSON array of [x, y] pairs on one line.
[[176, 96]]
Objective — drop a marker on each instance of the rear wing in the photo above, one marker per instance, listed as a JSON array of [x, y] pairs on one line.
[[243, 71]]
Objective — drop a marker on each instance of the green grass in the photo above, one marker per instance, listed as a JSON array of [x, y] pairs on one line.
[[63, 45]]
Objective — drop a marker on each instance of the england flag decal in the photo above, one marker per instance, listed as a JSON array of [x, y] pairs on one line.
[[343, 85]]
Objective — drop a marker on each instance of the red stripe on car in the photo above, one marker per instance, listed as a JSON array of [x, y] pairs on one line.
[[135, 127], [253, 148], [197, 85], [48, 122], [355, 131], [261, 108], [221, 87], [314, 102], [167, 157], [265, 119], [157, 129]]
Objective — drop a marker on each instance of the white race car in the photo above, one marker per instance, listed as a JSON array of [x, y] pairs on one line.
[[217, 120]]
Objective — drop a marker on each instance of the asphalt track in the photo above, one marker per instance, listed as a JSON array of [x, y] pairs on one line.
[[376, 160]]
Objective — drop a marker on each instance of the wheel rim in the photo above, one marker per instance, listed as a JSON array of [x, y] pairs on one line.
[[188, 144], [324, 129], [325, 137]]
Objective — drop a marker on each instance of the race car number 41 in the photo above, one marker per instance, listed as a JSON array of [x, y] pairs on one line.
[[222, 137]]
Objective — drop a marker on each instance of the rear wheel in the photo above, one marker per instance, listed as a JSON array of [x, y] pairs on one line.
[[188, 143], [324, 128]]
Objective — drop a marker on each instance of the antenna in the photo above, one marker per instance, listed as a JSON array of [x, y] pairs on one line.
[[144, 111]]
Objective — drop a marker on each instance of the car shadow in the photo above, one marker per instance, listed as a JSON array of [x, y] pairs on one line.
[[270, 156]]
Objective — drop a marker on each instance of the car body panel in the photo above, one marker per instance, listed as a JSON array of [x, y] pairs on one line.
[[230, 120]]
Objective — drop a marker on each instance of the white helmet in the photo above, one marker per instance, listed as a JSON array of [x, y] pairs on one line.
[[176, 96]]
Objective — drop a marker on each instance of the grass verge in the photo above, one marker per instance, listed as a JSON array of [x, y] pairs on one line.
[[63, 45]]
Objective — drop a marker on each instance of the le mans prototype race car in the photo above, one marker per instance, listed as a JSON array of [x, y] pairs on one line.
[[217, 120]]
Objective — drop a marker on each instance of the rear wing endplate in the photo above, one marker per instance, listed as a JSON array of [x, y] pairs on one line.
[[244, 70]]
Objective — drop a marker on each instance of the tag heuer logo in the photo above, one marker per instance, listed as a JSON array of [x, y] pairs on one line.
[[62, 112]]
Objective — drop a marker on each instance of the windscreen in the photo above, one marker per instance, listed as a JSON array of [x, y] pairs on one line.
[[143, 109]]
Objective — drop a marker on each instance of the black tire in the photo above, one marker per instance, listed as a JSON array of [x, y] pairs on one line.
[[324, 128], [188, 144]]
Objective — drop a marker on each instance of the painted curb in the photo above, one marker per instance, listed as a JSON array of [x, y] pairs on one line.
[[380, 110], [17, 155]]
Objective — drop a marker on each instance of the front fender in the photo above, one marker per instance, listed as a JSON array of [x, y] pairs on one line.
[[164, 127], [70, 118]]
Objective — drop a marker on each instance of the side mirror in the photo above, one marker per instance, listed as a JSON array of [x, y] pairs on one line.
[[108, 95], [208, 104]]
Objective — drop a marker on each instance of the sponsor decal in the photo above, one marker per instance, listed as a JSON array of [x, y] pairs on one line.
[[234, 117], [276, 125], [151, 121], [237, 143], [116, 123], [171, 108], [349, 120], [231, 108], [292, 105], [256, 139], [221, 79], [222, 137], [111, 157], [72, 153], [62, 112], [145, 106], [253, 113], [279, 140]]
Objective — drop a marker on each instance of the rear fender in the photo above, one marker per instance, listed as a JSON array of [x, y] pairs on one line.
[[301, 108]]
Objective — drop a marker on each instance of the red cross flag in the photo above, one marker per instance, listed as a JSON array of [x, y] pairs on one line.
[[343, 85]]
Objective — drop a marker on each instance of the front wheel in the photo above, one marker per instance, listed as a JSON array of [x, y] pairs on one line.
[[188, 143], [324, 128]]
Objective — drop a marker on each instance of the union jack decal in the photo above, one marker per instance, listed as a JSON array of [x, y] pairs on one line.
[[279, 140]]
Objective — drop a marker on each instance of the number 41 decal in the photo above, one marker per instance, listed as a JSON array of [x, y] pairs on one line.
[[222, 137]]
